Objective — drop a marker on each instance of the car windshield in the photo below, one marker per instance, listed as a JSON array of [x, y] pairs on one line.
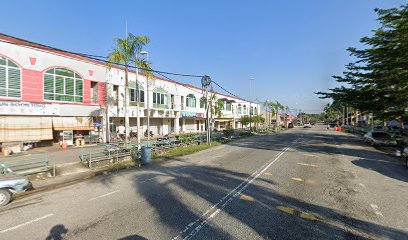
[[381, 135]]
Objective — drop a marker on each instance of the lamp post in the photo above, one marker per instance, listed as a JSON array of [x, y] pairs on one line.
[[250, 104], [147, 100]]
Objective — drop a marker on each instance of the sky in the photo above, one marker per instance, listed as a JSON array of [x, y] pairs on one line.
[[290, 47]]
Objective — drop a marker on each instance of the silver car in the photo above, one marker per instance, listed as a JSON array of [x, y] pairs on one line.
[[379, 138], [405, 155], [10, 185]]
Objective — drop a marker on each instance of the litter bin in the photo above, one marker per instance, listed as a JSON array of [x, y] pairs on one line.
[[146, 155]]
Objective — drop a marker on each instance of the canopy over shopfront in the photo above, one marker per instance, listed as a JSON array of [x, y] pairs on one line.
[[22, 128], [72, 123]]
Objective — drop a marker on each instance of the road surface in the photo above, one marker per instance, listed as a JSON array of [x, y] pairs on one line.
[[299, 184]]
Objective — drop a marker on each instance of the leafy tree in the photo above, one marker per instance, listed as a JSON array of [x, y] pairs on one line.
[[244, 120], [377, 82]]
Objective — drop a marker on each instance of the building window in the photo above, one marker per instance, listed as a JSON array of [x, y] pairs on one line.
[[133, 93], [94, 92], [10, 79], [203, 102], [228, 106], [191, 101], [245, 110], [61, 84], [239, 109], [159, 98]]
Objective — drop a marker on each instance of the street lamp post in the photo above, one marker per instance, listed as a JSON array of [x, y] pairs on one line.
[[147, 99], [250, 104]]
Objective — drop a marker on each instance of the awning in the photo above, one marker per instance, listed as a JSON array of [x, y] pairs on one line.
[[24, 129], [223, 120], [72, 123]]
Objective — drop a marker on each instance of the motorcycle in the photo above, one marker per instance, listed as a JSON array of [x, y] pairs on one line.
[[151, 133]]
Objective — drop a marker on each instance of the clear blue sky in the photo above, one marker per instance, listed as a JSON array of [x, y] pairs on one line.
[[290, 47]]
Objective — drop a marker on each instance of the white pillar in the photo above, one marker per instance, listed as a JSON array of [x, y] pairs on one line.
[[176, 125]]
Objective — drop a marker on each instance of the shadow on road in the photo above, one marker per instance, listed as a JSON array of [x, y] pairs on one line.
[[57, 232], [386, 168], [170, 197], [181, 196]]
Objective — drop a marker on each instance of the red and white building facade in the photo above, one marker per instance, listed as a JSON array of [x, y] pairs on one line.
[[45, 91]]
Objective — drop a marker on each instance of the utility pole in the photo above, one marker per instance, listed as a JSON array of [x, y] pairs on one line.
[[139, 133], [205, 83], [250, 104]]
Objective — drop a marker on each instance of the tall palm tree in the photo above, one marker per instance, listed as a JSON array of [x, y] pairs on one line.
[[123, 53], [139, 43]]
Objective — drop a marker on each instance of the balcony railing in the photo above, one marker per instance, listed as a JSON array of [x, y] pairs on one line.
[[163, 106], [133, 104]]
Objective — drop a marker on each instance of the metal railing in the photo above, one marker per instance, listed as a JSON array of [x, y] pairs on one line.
[[112, 153], [25, 163]]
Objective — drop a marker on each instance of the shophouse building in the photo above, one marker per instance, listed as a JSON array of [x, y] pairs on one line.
[[49, 95]]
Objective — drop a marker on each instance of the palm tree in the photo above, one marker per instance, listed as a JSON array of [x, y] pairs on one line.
[[139, 42], [123, 53]]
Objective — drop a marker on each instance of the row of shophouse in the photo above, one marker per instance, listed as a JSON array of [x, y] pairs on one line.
[[47, 94]]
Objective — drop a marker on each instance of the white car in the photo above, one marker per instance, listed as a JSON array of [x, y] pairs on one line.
[[379, 138], [307, 125]]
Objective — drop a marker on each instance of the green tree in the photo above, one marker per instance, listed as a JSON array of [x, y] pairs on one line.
[[377, 81], [244, 120], [123, 53]]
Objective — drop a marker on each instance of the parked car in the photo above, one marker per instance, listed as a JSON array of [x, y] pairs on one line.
[[307, 125], [377, 138], [10, 185], [405, 155], [290, 125]]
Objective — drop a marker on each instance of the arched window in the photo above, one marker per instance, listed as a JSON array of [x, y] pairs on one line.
[[159, 98], [10, 79], [239, 109], [245, 110], [61, 84], [191, 101], [228, 106], [133, 94], [203, 102]]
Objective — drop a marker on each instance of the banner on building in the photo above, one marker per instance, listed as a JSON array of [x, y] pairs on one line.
[[192, 115], [27, 108]]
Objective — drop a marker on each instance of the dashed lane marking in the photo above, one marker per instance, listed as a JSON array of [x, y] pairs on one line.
[[375, 208], [218, 207], [297, 213], [268, 174], [297, 179], [247, 198], [104, 195], [310, 155], [26, 223], [309, 165]]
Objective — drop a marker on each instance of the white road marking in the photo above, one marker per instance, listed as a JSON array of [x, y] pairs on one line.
[[362, 185], [235, 192], [375, 208], [104, 195], [26, 223]]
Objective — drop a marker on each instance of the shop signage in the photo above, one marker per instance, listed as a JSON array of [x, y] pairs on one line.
[[27, 108], [192, 115]]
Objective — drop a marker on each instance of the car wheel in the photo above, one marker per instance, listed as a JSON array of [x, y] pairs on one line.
[[5, 196]]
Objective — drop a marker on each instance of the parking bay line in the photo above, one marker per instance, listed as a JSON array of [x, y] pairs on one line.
[[26, 223], [104, 195]]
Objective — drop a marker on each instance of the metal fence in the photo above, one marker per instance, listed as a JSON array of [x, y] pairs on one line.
[[25, 163]]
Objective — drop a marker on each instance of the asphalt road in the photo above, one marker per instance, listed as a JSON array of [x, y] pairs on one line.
[[299, 184]]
